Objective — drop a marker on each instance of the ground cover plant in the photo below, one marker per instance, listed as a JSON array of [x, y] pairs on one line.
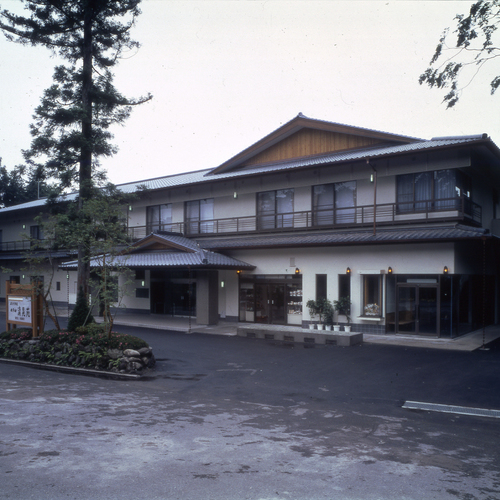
[[90, 346]]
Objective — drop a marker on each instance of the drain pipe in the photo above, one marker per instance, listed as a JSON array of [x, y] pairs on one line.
[[374, 177]]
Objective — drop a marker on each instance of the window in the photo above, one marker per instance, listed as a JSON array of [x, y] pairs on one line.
[[58, 286], [35, 233], [437, 190], [275, 209], [159, 218], [345, 286], [372, 295], [334, 203], [320, 287], [15, 279], [199, 216]]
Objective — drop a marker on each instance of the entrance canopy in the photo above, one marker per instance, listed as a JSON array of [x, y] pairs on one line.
[[166, 250]]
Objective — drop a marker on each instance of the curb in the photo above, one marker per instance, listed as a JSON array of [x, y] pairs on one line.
[[70, 369]]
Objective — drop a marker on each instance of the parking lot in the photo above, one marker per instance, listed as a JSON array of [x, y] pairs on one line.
[[226, 417]]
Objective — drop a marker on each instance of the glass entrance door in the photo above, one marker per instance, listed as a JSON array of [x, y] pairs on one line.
[[417, 309], [270, 304]]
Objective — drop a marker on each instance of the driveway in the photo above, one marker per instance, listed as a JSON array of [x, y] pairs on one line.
[[235, 418]]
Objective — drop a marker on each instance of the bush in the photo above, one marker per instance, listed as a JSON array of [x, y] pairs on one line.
[[81, 313]]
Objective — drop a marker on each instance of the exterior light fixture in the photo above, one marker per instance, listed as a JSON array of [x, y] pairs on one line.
[[297, 270], [143, 283], [67, 276], [389, 271], [24, 226], [235, 195], [445, 270], [222, 284], [348, 270], [371, 177], [130, 208], [238, 272]]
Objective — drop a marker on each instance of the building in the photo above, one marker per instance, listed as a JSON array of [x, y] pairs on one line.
[[407, 228]]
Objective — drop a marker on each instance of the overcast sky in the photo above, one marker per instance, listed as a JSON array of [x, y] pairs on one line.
[[226, 73]]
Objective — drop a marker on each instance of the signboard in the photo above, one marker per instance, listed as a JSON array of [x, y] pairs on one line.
[[24, 307], [19, 310]]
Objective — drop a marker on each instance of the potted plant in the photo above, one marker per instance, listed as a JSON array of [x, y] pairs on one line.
[[312, 306], [343, 306], [328, 313]]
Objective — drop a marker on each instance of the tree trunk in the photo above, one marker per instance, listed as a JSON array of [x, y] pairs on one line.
[[85, 178]]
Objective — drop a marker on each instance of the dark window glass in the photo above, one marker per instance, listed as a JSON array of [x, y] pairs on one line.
[[320, 286], [199, 216], [159, 218], [275, 209]]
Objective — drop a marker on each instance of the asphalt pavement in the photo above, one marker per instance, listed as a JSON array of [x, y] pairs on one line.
[[226, 417]]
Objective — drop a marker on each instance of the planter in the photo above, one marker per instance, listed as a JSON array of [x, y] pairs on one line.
[[347, 328], [311, 326], [320, 326], [328, 328], [336, 328]]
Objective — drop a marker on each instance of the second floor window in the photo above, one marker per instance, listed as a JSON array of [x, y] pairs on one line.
[[159, 218], [275, 209], [439, 190], [35, 233], [334, 203], [200, 216]]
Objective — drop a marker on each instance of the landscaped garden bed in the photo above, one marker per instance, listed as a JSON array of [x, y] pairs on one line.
[[88, 347]]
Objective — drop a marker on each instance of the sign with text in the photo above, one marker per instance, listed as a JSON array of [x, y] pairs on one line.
[[19, 310]]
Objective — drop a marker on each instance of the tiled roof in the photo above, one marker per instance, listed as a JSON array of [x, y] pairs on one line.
[[206, 175], [202, 259], [337, 238]]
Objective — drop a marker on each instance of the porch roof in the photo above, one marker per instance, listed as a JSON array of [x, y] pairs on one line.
[[456, 232]]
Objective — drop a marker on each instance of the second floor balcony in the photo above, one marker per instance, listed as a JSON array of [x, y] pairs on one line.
[[443, 210]]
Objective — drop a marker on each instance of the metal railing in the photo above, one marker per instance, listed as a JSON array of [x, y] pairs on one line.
[[450, 209]]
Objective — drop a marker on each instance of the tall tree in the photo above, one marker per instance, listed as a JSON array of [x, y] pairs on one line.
[[71, 128], [474, 47]]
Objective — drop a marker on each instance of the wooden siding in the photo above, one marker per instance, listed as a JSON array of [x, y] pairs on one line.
[[309, 142]]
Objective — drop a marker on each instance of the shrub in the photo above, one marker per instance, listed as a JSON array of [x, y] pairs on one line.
[[81, 313]]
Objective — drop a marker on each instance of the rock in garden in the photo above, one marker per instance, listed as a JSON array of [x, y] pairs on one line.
[[131, 353], [115, 353]]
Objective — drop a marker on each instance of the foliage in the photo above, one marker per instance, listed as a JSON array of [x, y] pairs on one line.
[[343, 307], [81, 314], [322, 308], [71, 125], [328, 312], [474, 47], [100, 226], [16, 186], [86, 348]]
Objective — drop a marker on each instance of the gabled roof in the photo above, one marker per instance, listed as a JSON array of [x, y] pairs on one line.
[[300, 123], [167, 250]]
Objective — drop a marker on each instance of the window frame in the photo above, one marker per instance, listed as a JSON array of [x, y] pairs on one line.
[[275, 218], [332, 212], [152, 226], [367, 302], [199, 223]]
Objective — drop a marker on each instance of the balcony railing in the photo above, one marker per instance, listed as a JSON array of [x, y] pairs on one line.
[[451, 209]]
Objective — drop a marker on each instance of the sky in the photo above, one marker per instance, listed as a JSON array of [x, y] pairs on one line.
[[224, 74]]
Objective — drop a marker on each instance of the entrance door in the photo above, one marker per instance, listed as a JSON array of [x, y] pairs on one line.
[[270, 304], [417, 309]]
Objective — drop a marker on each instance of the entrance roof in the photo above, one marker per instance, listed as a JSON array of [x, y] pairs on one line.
[[167, 250]]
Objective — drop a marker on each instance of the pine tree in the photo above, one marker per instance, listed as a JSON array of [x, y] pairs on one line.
[[71, 127]]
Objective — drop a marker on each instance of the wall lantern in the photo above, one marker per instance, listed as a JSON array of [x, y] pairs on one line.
[[24, 226], [348, 270], [297, 270], [371, 177], [235, 195], [67, 276], [389, 271], [445, 270], [130, 208], [238, 272], [143, 283], [222, 284]]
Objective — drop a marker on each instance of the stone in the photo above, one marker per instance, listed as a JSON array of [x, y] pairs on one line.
[[146, 351], [131, 353], [115, 353]]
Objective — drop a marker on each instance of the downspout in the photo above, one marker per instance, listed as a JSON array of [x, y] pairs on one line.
[[374, 197]]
